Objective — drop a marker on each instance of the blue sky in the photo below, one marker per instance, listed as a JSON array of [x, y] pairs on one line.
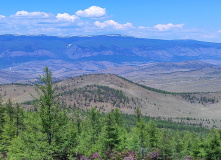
[[160, 19]]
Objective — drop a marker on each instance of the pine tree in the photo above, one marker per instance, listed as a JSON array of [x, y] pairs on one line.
[[19, 119], [111, 138], [138, 115], [121, 126], [53, 120], [46, 104], [152, 135], [213, 148], [77, 120], [2, 117], [118, 117], [141, 128], [166, 145], [88, 136], [2, 126], [10, 110], [8, 130], [95, 124], [198, 150]]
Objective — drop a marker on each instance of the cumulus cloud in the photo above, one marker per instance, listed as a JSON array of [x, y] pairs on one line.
[[166, 27], [66, 17], [112, 23], [65, 24], [1, 16], [93, 11], [31, 14], [219, 31]]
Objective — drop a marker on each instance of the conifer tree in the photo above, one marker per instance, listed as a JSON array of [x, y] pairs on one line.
[[118, 117], [95, 124], [2, 117], [77, 120], [213, 150], [111, 135], [19, 118], [53, 120], [46, 104], [121, 127], [166, 145], [152, 135], [10, 110], [141, 128], [8, 135], [8, 130], [138, 115]]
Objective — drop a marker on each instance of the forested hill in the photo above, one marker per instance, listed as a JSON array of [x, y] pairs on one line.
[[107, 91], [53, 131]]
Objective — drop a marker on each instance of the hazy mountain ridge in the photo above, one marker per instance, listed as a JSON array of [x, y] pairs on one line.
[[22, 58], [74, 48]]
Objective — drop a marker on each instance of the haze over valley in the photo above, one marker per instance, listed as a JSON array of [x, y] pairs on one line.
[[173, 65]]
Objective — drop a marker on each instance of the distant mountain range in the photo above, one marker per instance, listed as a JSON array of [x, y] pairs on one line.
[[112, 48], [24, 56]]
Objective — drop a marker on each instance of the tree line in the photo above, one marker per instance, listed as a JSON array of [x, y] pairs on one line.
[[51, 132]]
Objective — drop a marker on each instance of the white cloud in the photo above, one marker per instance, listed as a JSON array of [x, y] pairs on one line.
[[142, 27], [31, 14], [93, 11], [112, 23], [1, 16], [166, 27], [66, 17], [24, 22]]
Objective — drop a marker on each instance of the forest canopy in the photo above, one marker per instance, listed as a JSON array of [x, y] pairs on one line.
[[51, 131]]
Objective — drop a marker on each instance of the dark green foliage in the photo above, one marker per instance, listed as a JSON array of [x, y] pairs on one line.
[[78, 121], [19, 119], [152, 135], [198, 98], [95, 124], [111, 132], [8, 127], [10, 110], [166, 145], [213, 147], [2, 117], [96, 93], [86, 133], [141, 131], [51, 132], [138, 115], [53, 120], [48, 109], [183, 94]]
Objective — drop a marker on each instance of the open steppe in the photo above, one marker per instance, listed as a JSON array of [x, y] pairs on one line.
[[107, 91], [202, 80]]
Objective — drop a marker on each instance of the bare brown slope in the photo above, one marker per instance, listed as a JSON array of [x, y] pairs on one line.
[[151, 103]]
